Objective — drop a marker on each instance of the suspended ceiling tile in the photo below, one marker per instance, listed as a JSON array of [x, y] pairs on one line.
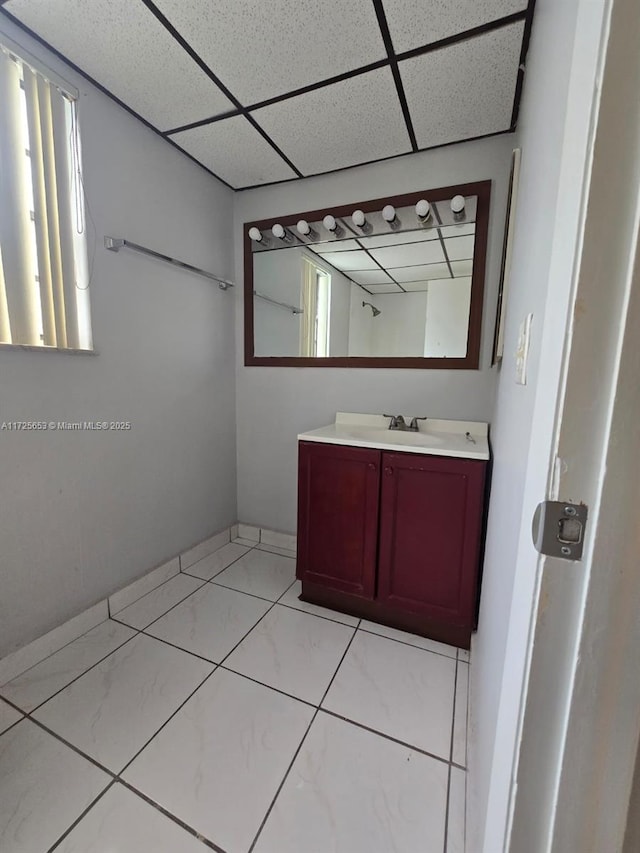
[[460, 248], [458, 230], [414, 23], [261, 50], [416, 286], [471, 87], [369, 277], [424, 271], [350, 260], [336, 246], [234, 150], [340, 125], [382, 240], [427, 252], [462, 269], [126, 49], [383, 288]]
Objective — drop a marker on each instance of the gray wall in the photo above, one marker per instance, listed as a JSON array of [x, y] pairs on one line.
[[275, 404], [82, 514]]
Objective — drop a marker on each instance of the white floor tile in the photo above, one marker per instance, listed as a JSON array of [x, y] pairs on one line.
[[211, 621], [351, 791], [39, 683], [292, 651], [276, 549], [8, 716], [456, 821], [153, 605], [44, 787], [218, 763], [111, 711], [290, 599], [121, 822], [411, 639], [401, 691], [215, 563], [459, 754], [260, 573]]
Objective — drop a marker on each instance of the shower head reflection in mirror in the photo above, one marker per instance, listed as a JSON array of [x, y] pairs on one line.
[[416, 260]]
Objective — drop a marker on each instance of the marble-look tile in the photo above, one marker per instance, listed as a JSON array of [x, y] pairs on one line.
[[8, 716], [153, 605], [203, 548], [39, 683], [111, 711], [274, 549], [210, 622], [260, 573], [292, 651], [464, 654], [278, 540], [456, 823], [121, 822], [459, 753], [240, 540], [44, 787], [124, 597], [290, 599], [401, 691], [411, 639], [218, 763], [215, 563], [351, 790], [248, 531]]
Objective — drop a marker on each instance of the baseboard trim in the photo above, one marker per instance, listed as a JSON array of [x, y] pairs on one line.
[[264, 536]]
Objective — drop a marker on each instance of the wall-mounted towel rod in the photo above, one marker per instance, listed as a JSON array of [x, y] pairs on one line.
[[291, 308], [114, 244]]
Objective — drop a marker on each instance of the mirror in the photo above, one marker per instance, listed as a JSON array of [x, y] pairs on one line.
[[395, 282]]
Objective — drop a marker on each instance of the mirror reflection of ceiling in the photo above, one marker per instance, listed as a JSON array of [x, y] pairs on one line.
[[384, 260], [266, 92]]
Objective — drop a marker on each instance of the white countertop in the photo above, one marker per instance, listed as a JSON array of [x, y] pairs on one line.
[[464, 439]]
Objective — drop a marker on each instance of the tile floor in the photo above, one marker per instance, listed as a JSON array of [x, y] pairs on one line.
[[219, 712]]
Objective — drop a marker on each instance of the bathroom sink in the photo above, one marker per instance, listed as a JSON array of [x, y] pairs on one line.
[[388, 436]]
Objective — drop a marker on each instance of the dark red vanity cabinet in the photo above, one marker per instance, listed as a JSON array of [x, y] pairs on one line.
[[392, 537]]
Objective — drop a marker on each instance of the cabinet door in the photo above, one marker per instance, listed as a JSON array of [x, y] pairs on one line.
[[338, 498], [430, 528]]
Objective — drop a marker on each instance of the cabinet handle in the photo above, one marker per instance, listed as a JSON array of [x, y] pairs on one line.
[[371, 466], [388, 471]]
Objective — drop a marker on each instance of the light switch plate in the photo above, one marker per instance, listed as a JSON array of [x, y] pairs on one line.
[[522, 350]]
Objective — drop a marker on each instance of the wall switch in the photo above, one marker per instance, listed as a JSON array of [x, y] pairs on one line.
[[522, 350]]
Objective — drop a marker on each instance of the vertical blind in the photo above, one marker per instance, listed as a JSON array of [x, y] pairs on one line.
[[43, 265]]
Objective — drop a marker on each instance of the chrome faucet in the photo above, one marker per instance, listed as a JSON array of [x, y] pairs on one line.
[[398, 422]]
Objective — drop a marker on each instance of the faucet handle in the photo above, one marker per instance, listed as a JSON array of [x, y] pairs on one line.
[[396, 420], [414, 423]]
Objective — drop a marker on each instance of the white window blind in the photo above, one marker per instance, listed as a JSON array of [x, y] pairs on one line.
[[43, 255]]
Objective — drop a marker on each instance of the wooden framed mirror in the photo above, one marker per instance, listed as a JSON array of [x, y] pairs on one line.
[[398, 284]]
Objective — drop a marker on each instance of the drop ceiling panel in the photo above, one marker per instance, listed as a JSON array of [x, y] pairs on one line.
[[125, 48], [381, 240], [429, 252], [416, 286], [471, 87], [424, 271], [350, 260], [337, 246], [461, 269], [458, 230], [460, 248], [340, 125], [383, 288], [260, 50], [413, 23], [369, 277], [234, 150]]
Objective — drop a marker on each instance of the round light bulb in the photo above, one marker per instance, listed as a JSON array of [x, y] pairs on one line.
[[358, 218], [303, 227], [423, 209], [329, 222], [255, 234], [457, 203], [388, 213], [278, 231]]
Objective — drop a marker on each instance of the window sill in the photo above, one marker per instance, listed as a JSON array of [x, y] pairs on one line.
[[63, 351]]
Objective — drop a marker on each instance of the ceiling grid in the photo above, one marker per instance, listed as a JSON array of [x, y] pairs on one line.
[[264, 93]]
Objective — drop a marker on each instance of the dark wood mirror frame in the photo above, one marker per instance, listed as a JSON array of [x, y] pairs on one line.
[[481, 189]]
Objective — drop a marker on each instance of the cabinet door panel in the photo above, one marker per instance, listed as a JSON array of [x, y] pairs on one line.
[[338, 501], [430, 527]]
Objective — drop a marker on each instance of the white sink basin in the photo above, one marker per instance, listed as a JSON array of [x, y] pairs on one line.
[[389, 436]]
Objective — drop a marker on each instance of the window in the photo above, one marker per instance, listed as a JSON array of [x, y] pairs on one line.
[[316, 314], [44, 297]]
